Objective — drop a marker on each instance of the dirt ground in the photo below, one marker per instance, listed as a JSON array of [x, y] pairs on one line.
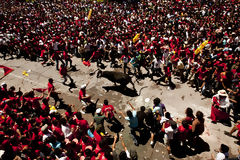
[[176, 101]]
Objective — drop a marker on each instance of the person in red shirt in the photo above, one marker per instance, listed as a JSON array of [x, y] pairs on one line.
[[67, 58], [109, 111], [202, 74], [82, 123], [51, 89], [184, 132], [83, 97], [45, 105], [64, 74], [167, 76]]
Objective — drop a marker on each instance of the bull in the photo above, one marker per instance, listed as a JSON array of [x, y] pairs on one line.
[[115, 77]]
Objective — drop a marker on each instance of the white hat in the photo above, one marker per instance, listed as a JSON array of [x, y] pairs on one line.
[[222, 93], [98, 110], [3, 84], [147, 100], [83, 86]]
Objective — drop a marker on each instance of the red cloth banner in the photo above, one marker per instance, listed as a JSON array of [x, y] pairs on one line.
[[7, 70], [41, 90]]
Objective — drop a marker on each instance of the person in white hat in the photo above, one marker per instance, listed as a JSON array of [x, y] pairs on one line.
[[99, 121], [83, 97], [220, 103]]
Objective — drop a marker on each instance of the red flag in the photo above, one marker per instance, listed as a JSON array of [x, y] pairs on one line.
[[41, 90], [7, 70]]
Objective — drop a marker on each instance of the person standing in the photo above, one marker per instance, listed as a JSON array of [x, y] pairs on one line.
[[133, 122], [64, 74], [99, 120], [159, 107], [108, 111], [53, 93], [83, 97], [125, 59], [156, 67], [198, 124]]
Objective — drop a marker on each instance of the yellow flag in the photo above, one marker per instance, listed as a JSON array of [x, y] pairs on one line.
[[199, 49], [89, 14], [136, 37], [52, 107], [25, 73]]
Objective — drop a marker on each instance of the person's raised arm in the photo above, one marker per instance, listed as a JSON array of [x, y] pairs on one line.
[[122, 114], [131, 105], [88, 83], [42, 95], [49, 93]]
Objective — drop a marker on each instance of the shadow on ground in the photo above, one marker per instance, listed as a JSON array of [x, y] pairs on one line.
[[124, 90], [181, 151]]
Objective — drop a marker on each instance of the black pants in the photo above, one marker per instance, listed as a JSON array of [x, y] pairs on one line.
[[125, 67], [57, 62], [68, 60], [65, 78]]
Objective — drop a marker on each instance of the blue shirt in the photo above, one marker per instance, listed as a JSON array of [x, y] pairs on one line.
[[133, 120]]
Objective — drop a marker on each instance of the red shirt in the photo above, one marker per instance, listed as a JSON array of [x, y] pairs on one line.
[[81, 94], [65, 55], [63, 71], [201, 73], [57, 131], [238, 134], [83, 124], [50, 87], [45, 107], [108, 109], [184, 132]]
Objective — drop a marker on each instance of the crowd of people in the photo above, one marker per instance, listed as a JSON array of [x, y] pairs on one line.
[[159, 38], [32, 128]]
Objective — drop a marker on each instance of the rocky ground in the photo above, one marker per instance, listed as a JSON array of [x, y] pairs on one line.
[[176, 101]]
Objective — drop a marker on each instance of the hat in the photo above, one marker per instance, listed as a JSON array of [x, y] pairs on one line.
[[3, 84], [83, 86], [98, 110], [44, 127], [222, 93], [147, 100]]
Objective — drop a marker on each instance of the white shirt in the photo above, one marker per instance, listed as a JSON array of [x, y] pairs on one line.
[[169, 132], [157, 63], [45, 136], [66, 131], [120, 48], [220, 156]]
